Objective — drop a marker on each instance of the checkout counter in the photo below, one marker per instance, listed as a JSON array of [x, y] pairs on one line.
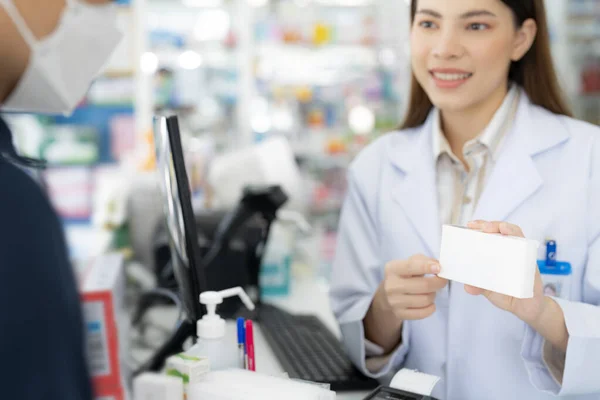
[[306, 296]]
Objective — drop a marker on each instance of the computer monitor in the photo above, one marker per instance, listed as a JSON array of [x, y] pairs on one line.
[[181, 227]]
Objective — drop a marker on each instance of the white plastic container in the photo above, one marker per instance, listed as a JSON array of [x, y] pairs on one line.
[[214, 340]]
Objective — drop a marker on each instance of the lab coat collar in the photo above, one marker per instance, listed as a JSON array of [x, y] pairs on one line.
[[414, 186], [514, 178]]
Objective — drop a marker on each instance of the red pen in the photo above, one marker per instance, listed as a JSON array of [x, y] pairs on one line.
[[250, 346]]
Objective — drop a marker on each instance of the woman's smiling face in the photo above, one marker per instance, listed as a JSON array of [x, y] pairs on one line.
[[461, 50]]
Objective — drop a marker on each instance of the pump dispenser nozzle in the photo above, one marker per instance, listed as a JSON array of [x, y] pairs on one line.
[[212, 326]]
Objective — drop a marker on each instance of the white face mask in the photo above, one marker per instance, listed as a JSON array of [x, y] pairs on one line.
[[63, 65]]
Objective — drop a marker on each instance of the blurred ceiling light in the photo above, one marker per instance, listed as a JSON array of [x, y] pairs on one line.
[[361, 120], [212, 25], [258, 3], [261, 123], [190, 60], [203, 3], [149, 63]]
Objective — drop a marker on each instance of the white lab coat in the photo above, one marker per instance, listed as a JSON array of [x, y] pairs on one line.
[[547, 181]]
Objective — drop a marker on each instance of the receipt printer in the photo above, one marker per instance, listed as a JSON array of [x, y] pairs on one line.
[[406, 384]]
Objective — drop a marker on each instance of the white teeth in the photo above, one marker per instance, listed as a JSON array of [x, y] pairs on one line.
[[450, 77]]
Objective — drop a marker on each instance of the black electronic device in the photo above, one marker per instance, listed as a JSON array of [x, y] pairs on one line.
[[387, 393], [263, 201], [308, 350], [181, 227], [182, 237], [238, 263]]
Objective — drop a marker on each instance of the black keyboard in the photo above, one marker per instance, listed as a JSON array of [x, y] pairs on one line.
[[307, 350]]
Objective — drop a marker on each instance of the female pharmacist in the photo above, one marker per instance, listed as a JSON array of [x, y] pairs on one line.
[[50, 52], [487, 138]]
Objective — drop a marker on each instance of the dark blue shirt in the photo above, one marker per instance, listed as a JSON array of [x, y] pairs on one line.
[[42, 353]]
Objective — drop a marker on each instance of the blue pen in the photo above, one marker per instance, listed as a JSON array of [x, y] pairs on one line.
[[241, 338], [550, 252]]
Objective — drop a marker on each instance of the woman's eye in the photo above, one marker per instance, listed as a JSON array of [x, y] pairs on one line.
[[478, 27], [426, 24]]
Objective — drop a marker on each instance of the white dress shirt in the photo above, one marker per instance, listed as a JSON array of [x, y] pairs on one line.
[[458, 188]]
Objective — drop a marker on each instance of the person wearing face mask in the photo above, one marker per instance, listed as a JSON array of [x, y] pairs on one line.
[[488, 143], [51, 51]]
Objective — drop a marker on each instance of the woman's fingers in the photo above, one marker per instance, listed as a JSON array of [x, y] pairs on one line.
[[416, 313], [504, 228], [415, 266], [485, 226], [510, 229], [476, 224], [414, 301], [475, 291], [422, 285]]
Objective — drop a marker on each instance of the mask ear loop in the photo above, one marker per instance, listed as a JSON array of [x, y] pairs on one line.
[[9, 153], [19, 22], [28, 162]]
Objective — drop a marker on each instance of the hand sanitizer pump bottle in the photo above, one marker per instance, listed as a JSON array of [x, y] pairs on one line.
[[215, 341]]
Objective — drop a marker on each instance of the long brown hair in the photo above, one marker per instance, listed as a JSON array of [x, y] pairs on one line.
[[534, 72]]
